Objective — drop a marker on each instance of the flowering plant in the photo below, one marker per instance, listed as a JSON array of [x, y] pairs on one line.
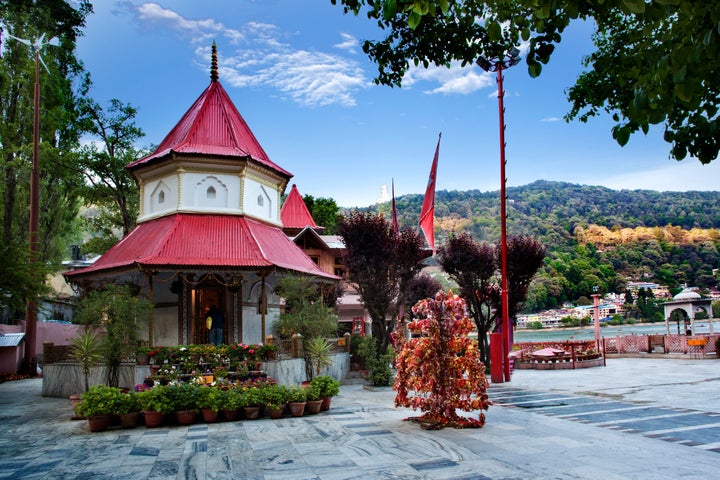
[[441, 371]]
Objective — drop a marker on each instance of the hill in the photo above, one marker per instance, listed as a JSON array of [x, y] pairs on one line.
[[594, 235]]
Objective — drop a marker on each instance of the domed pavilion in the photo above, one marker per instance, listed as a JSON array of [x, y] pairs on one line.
[[209, 230]]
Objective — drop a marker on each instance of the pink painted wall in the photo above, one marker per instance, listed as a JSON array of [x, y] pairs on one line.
[[57, 333]]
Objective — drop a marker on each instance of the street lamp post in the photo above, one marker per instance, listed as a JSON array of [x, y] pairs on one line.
[[31, 304], [497, 64]]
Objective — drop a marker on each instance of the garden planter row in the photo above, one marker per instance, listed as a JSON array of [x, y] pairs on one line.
[[188, 402]]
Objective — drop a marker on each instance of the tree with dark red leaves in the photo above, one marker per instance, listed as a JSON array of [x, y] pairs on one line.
[[474, 266], [380, 264]]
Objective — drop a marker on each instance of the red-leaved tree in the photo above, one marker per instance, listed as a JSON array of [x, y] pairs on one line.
[[440, 372], [475, 267], [380, 264]]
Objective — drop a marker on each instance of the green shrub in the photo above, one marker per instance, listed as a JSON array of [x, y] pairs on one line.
[[127, 403], [312, 393], [297, 394], [379, 365], [183, 396], [535, 325], [209, 397], [99, 400], [275, 396], [328, 386], [155, 400], [254, 397]]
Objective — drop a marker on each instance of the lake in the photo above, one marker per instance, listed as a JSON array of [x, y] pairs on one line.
[[588, 333]]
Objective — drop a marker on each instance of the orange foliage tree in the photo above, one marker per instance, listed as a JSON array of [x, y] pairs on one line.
[[440, 371]]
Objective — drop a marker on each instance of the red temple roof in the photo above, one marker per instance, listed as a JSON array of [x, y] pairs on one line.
[[294, 213], [212, 126], [199, 240]]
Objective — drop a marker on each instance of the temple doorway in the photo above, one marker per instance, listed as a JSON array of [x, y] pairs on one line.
[[205, 297]]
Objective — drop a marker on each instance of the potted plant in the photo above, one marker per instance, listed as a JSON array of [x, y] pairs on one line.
[[253, 402], [314, 403], [98, 404], [184, 399], [128, 409], [297, 398], [317, 356], [142, 355], [116, 311], [210, 401], [232, 402], [329, 387], [86, 350], [154, 403], [275, 399]]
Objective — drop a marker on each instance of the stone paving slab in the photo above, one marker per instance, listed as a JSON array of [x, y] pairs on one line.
[[364, 437]]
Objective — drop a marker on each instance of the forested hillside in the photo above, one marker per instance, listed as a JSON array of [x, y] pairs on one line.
[[594, 235]]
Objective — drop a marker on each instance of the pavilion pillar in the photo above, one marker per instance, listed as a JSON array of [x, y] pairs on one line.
[[263, 306], [151, 323]]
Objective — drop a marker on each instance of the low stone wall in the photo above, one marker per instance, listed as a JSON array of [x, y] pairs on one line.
[[292, 371], [64, 379]]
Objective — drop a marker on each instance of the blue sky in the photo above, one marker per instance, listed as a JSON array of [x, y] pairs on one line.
[[296, 72]]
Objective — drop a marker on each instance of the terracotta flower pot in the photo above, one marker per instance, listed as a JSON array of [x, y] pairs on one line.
[[313, 406], [297, 408], [208, 415], [326, 401], [251, 413], [74, 402], [153, 419], [98, 423], [230, 414], [186, 417], [129, 420], [276, 413]]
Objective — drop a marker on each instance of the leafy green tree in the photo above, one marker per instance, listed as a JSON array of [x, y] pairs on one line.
[[109, 186], [305, 312], [60, 87], [655, 61], [325, 212], [654, 65], [380, 264], [118, 313]]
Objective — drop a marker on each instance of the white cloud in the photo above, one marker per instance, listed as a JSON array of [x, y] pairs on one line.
[[453, 80], [197, 30], [309, 78], [348, 44], [550, 119]]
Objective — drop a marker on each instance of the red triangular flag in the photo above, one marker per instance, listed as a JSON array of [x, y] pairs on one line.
[[396, 230], [427, 214]]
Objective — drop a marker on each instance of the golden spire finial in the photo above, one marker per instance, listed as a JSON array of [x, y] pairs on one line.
[[213, 64]]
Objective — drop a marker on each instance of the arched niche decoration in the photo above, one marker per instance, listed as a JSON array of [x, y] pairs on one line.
[[211, 192], [159, 198]]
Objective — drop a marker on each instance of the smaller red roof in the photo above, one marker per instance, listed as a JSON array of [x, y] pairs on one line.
[[204, 241], [212, 126], [294, 213]]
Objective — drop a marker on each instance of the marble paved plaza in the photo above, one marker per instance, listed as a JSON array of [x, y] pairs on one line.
[[634, 419]]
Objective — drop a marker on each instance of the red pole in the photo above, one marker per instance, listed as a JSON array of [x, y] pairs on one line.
[[505, 326], [31, 305], [596, 319]]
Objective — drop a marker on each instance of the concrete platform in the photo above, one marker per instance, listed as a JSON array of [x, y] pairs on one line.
[[552, 425]]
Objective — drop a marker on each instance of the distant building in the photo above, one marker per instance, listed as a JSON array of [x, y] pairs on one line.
[[659, 291]]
